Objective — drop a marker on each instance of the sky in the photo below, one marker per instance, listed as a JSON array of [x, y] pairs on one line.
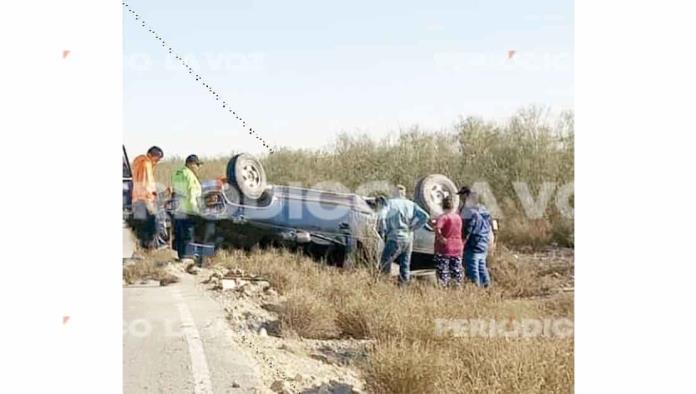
[[300, 72]]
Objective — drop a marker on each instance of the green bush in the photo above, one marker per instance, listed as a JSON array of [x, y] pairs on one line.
[[529, 147]]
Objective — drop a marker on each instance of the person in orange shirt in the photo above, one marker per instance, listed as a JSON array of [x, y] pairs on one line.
[[145, 197]]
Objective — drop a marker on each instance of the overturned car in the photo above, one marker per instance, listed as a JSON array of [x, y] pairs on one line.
[[244, 211]]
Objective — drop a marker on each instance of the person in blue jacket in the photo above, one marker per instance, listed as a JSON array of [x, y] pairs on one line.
[[399, 218], [476, 232]]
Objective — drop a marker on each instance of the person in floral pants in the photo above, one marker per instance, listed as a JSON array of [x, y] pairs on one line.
[[448, 245]]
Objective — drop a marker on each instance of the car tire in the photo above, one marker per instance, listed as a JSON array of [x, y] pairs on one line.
[[263, 201], [430, 191], [246, 173], [232, 194]]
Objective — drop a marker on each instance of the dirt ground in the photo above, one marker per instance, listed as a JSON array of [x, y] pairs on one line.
[[292, 365]]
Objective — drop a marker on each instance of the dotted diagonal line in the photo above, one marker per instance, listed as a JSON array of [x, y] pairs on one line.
[[197, 76]]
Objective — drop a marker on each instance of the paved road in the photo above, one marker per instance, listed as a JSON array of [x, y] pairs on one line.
[[176, 340]]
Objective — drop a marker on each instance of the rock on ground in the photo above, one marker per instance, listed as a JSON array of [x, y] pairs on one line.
[[289, 365]]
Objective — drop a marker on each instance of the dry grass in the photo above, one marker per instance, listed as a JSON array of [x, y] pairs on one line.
[[474, 366], [510, 366], [357, 317], [519, 274], [150, 267], [408, 354], [405, 367], [304, 315]]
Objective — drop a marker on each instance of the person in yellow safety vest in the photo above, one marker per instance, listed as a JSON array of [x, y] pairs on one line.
[[187, 191], [144, 197]]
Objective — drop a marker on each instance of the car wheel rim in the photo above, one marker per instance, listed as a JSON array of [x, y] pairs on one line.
[[251, 176], [437, 194]]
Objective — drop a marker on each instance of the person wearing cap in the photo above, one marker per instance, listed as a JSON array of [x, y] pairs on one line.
[[187, 191], [476, 232], [144, 197], [399, 218]]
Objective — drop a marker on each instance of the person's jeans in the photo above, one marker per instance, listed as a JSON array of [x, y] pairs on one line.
[[183, 233], [475, 268], [399, 251], [144, 224]]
